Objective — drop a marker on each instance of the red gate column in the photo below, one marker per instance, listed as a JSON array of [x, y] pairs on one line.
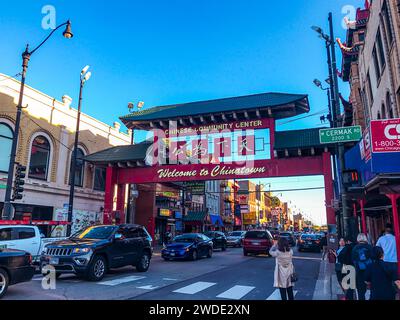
[[363, 221], [121, 203], [328, 181], [111, 180], [393, 198]]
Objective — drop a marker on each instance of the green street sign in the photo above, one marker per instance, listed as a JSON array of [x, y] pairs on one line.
[[342, 134], [3, 186]]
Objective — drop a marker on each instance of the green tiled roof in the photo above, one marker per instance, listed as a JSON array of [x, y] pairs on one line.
[[195, 216], [120, 153], [248, 102], [294, 139]]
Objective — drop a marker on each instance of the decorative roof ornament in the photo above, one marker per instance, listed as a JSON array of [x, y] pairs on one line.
[[350, 51], [367, 4], [350, 24]]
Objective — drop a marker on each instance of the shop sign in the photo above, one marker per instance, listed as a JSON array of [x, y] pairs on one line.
[[195, 187], [385, 135], [165, 212]]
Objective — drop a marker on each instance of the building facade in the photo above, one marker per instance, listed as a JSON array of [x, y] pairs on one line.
[[45, 147]]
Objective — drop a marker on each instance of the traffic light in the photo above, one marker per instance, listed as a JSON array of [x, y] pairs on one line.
[[19, 181], [351, 178]]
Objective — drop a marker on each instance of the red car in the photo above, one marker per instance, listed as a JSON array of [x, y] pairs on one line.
[[257, 242]]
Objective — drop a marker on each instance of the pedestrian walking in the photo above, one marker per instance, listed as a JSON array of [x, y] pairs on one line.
[[388, 243], [338, 263], [324, 243], [381, 278], [345, 258], [284, 276], [362, 258]]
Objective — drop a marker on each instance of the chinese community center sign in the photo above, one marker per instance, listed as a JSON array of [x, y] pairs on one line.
[[385, 135]]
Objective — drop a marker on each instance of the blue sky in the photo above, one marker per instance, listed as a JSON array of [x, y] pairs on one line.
[[164, 52]]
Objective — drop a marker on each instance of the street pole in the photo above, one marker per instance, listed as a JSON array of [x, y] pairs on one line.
[[26, 56], [336, 115], [83, 78], [7, 200]]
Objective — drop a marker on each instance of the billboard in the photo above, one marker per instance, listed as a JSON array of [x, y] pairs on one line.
[[385, 135]]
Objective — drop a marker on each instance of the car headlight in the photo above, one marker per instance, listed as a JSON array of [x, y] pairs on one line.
[[44, 250], [82, 250]]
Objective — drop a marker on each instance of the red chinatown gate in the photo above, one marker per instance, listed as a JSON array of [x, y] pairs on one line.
[[231, 138]]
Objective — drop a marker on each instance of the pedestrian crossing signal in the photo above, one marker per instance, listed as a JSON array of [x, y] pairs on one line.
[[351, 178], [19, 182]]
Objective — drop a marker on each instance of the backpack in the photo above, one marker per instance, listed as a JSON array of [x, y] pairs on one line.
[[363, 258]]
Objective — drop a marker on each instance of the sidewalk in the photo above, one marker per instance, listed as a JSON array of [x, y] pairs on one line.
[[327, 286]]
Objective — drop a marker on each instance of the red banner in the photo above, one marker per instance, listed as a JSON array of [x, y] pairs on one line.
[[385, 135]]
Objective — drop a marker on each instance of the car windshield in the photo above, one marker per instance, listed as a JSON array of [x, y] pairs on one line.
[[256, 235], [235, 234], [103, 232], [209, 234], [309, 236], [285, 234], [185, 238]]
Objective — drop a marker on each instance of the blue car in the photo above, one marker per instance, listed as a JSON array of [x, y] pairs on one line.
[[189, 246]]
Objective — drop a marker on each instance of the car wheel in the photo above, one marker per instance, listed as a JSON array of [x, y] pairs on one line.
[[209, 253], [194, 256], [97, 269], [144, 263], [4, 281]]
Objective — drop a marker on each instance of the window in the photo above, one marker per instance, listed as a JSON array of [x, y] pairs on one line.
[[99, 179], [388, 23], [389, 106], [369, 85], [25, 233], [376, 64], [380, 49], [6, 138], [79, 168], [5, 234], [361, 37], [383, 111], [40, 156]]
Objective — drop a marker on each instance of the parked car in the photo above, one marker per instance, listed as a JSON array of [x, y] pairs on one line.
[[218, 238], [15, 267], [257, 242], [235, 238], [91, 252], [188, 246], [309, 242], [26, 238], [289, 236]]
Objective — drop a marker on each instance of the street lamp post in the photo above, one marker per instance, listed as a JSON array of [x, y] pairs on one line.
[[26, 56], [84, 76]]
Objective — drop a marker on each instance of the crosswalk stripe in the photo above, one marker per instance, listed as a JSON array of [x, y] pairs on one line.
[[195, 287], [149, 287], [276, 295], [118, 281], [236, 292]]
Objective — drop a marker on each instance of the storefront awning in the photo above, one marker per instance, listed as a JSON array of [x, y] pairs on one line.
[[216, 220], [195, 218]]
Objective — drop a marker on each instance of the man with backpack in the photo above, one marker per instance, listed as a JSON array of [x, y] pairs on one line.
[[362, 257]]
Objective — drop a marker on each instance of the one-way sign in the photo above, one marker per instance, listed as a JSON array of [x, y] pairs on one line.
[[343, 134]]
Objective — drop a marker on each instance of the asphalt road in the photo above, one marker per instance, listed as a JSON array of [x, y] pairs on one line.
[[227, 275]]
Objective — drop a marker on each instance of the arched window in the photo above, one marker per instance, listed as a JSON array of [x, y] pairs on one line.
[[6, 138], [79, 168], [40, 158]]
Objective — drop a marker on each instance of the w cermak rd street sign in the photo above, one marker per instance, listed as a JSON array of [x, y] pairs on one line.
[[343, 134]]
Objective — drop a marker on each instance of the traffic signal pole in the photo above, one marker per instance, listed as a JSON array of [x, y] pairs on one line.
[[340, 148]]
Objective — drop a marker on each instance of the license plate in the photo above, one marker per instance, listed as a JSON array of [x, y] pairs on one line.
[[3, 246], [256, 243], [54, 261], [172, 254]]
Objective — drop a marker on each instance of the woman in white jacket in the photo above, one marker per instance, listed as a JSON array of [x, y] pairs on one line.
[[283, 268]]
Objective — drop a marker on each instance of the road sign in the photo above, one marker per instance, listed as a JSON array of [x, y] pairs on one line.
[[385, 135], [343, 134]]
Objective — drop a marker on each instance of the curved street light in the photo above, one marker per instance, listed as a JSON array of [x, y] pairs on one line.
[[26, 56]]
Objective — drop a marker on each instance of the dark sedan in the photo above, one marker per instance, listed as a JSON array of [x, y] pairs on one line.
[[310, 242], [189, 246], [218, 239], [289, 236], [15, 267]]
